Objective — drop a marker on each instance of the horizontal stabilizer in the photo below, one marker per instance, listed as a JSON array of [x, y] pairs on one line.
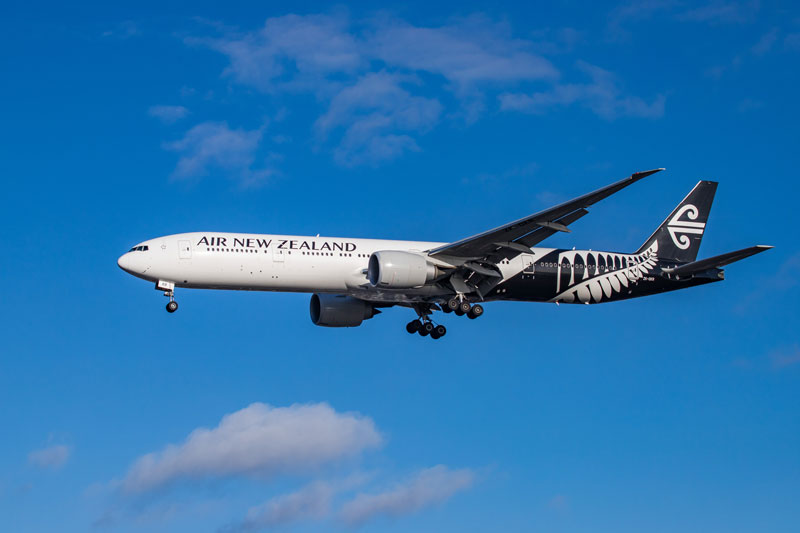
[[717, 261]]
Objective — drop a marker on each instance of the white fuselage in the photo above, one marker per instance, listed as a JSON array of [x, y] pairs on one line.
[[238, 261]]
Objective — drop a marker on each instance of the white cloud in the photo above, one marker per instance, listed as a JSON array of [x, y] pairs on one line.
[[602, 96], [312, 502], [632, 12], [375, 112], [721, 11], [259, 440], [471, 54], [784, 357], [469, 51], [428, 487], [765, 43], [382, 83], [212, 145], [558, 503], [472, 51], [291, 47], [713, 12], [168, 113], [51, 457], [124, 30]]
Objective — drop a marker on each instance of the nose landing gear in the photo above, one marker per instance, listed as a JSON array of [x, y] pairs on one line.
[[169, 291], [172, 306]]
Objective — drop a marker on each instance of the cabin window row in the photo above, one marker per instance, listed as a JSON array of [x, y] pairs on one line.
[[579, 266], [245, 250], [241, 250], [331, 254]]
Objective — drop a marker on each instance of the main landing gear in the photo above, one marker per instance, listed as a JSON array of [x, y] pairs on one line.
[[462, 307], [425, 327]]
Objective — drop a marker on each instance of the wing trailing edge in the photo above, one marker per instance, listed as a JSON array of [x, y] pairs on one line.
[[533, 229]]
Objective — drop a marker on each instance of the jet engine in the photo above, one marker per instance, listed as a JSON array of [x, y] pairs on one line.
[[399, 270], [339, 311]]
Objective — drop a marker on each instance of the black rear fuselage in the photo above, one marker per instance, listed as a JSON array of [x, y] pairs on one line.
[[585, 276]]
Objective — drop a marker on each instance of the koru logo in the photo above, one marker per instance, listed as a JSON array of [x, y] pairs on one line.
[[679, 229]]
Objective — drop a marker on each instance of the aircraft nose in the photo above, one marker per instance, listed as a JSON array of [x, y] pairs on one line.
[[124, 262]]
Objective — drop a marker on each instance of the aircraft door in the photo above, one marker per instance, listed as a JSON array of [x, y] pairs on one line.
[[184, 249], [528, 264], [278, 257]]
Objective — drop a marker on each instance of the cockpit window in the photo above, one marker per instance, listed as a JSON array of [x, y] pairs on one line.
[[139, 249]]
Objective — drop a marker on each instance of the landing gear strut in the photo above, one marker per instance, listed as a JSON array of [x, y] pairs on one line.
[[424, 326], [169, 291], [172, 306]]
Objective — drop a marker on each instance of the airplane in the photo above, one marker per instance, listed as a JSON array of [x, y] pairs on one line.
[[351, 280]]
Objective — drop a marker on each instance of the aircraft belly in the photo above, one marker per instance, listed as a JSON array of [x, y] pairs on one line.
[[256, 273]]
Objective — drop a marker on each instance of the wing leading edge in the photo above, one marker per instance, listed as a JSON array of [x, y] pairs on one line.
[[519, 236]]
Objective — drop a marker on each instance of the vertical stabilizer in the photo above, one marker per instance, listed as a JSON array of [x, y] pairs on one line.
[[680, 234]]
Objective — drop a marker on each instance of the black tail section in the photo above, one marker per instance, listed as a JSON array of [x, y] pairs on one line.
[[680, 234]]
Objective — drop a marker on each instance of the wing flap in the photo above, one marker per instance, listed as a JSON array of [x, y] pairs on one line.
[[538, 235]]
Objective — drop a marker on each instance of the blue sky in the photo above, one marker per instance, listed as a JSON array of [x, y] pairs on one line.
[[418, 121]]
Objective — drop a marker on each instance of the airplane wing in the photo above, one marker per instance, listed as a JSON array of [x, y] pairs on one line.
[[519, 236]]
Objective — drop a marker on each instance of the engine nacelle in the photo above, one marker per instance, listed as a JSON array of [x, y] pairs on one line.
[[399, 270], [338, 311]]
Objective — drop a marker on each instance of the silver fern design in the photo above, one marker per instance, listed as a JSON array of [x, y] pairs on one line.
[[678, 229], [600, 275]]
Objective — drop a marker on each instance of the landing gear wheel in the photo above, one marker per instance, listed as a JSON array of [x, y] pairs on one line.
[[453, 303], [413, 326], [426, 329], [464, 307], [476, 311], [439, 331], [172, 306]]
